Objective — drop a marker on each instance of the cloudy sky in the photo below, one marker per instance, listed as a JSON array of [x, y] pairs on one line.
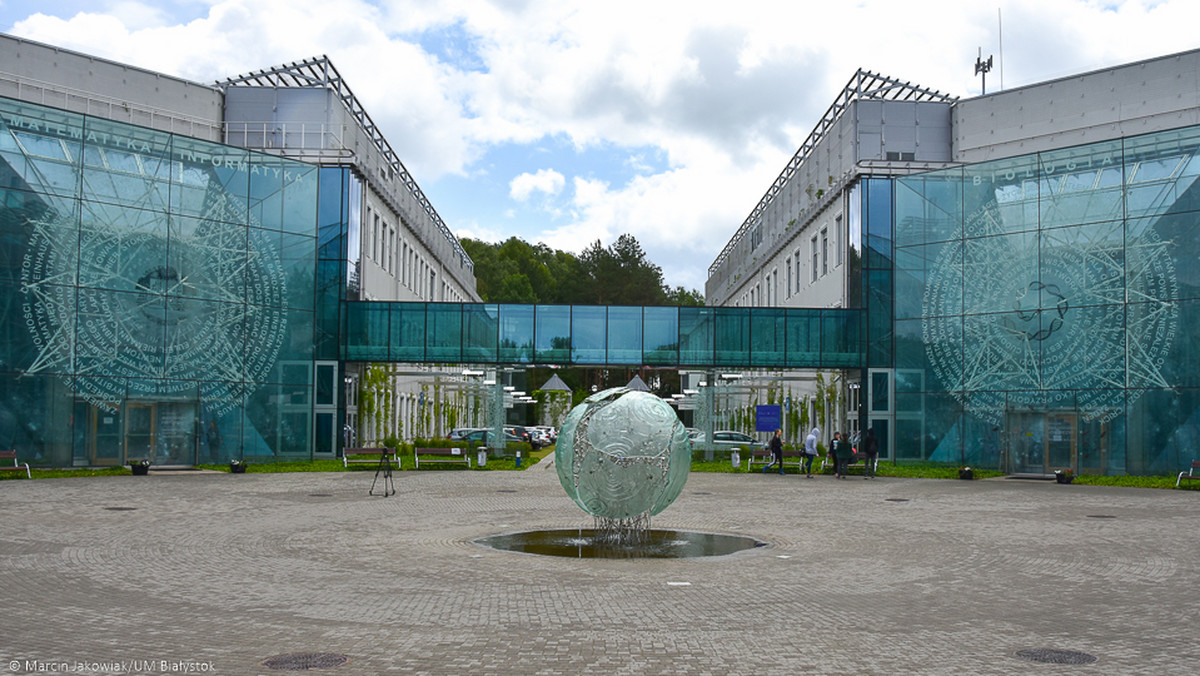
[[568, 121]]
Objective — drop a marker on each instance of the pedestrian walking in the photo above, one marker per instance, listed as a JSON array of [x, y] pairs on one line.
[[810, 451], [776, 451], [870, 447]]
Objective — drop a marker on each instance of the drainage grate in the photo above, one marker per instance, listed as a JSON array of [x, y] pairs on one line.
[[506, 490], [896, 499], [1051, 656], [701, 493], [320, 495], [120, 509], [305, 661], [1101, 516]]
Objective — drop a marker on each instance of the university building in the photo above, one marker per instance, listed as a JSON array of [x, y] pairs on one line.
[[193, 272], [1025, 264], [177, 256]]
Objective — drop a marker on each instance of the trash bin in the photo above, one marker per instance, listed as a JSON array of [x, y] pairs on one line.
[[736, 458], [481, 458]]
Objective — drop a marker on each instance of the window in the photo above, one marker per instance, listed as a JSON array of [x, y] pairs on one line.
[[798, 277], [814, 258], [788, 264], [837, 234], [391, 249], [375, 239], [824, 252]]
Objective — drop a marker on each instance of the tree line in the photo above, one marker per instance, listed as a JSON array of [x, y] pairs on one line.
[[515, 271]]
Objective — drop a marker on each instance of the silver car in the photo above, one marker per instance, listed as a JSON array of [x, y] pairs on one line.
[[727, 440]]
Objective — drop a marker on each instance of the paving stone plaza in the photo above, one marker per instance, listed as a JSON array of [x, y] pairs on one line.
[[219, 573]]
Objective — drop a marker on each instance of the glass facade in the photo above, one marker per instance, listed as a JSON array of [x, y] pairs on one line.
[[1042, 306], [157, 292], [482, 333]]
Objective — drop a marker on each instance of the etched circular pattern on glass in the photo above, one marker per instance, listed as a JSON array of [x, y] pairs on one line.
[[1075, 317], [161, 305]]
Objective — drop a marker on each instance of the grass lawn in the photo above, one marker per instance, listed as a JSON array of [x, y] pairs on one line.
[[508, 463]]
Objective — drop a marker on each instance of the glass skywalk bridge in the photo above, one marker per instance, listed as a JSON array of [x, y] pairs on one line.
[[592, 335]]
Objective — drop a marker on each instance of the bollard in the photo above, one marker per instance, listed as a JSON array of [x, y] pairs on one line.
[[518, 458]]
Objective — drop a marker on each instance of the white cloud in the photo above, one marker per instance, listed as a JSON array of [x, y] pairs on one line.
[[546, 181], [723, 96]]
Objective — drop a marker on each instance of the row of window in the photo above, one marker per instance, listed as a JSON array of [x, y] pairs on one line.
[[766, 292], [405, 263]]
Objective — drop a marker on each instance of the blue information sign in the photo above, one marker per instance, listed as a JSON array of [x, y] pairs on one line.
[[768, 418]]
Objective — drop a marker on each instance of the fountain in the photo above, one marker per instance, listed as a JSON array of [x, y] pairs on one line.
[[623, 457]]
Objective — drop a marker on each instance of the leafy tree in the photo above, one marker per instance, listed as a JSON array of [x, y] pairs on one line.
[[515, 271]]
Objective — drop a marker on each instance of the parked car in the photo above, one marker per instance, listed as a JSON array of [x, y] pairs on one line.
[[727, 440], [457, 434], [540, 437], [520, 432], [481, 437], [551, 433]]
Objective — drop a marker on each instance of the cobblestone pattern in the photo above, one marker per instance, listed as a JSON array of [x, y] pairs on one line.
[[222, 572]]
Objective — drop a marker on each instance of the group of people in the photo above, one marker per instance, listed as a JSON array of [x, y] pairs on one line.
[[840, 452]]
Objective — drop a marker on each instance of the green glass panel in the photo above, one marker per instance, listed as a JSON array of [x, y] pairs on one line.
[[1181, 367], [516, 333], [124, 334], [588, 334], [553, 334], [299, 202], [928, 206], [1174, 234], [660, 343], [624, 335], [121, 245], [1001, 197], [879, 318], [768, 339], [298, 344], [126, 165], [408, 331], [298, 259], [696, 335], [1082, 265], [367, 331], [482, 332], [841, 338], [910, 346], [803, 337], [1153, 339], [1159, 173], [731, 336], [1000, 273], [327, 330], [29, 342], [267, 174], [444, 332], [1071, 190], [915, 267], [43, 148]]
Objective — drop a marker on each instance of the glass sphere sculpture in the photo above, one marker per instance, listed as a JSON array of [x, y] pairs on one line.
[[623, 454]]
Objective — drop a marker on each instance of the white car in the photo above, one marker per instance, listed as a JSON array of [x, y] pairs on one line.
[[727, 440]]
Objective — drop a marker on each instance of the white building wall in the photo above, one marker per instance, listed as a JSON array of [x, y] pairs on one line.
[[1138, 98], [51, 76]]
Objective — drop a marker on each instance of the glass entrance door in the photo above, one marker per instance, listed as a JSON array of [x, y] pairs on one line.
[[163, 432], [1040, 442]]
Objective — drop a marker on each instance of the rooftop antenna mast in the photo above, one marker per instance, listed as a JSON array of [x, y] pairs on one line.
[[982, 67]]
